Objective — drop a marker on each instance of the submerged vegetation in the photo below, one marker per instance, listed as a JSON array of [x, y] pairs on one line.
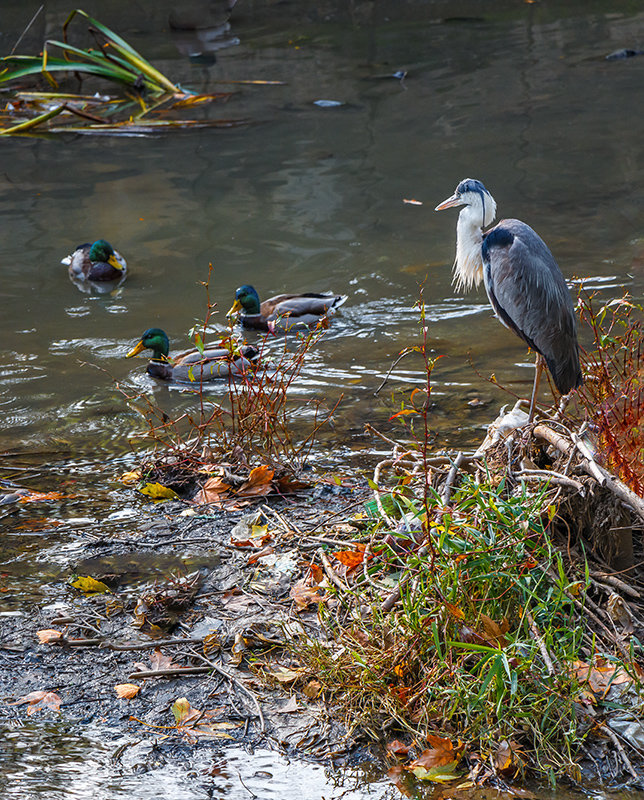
[[149, 100]]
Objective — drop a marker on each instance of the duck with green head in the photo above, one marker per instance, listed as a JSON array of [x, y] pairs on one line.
[[193, 366], [96, 262], [285, 311]]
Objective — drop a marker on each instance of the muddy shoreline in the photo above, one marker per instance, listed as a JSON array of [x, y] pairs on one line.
[[240, 602]]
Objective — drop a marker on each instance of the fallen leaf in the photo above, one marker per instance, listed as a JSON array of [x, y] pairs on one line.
[[127, 690], [398, 748], [131, 478], [288, 707], [214, 490], [237, 650], [89, 585], [157, 491], [439, 754], [503, 757], [49, 635], [601, 675], [259, 483], [351, 558], [41, 497], [283, 674], [38, 700], [442, 774], [312, 689], [455, 611], [183, 712], [303, 595], [159, 661]]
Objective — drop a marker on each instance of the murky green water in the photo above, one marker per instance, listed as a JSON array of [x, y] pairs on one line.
[[309, 197]]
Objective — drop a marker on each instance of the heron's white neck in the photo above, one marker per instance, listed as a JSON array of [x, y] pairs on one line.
[[468, 266]]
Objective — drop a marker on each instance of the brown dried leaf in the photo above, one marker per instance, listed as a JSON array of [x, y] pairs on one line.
[[440, 753], [38, 700], [214, 490], [289, 707], [259, 483], [398, 748], [127, 690], [282, 674], [312, 689], [304, 595], [351, 558], [183, 712], [48, 636], [601, 675], [159, 661]]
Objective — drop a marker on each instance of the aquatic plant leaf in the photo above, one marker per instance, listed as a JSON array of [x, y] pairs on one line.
[[125, 49], [157, 491], [48, 636], [89, 585], [39, 700], [126, 691], [32, 123]]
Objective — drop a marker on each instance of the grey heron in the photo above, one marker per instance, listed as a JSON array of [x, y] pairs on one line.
[[523, 282]]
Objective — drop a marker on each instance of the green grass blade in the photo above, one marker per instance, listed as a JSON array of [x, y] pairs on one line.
[[32, 123]]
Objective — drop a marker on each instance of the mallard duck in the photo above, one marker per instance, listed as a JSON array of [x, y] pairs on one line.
[[284, 311], [192, 366], [96, 262]]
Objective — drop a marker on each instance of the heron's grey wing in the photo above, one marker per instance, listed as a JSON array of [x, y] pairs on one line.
[[530, 296]]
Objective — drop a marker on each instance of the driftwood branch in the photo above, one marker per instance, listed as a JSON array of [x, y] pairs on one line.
[[592, 468]]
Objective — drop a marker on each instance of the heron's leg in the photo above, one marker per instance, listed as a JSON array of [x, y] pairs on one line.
[[538, 369]]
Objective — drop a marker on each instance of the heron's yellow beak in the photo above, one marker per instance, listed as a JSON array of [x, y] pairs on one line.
[[136, 350], [114, 262], [234, 309], [452, 201]]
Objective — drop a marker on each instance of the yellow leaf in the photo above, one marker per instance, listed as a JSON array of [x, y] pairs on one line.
[[442, 774], [127, 690], [89, 585], [183, 711], [130, 478], [157, 491]]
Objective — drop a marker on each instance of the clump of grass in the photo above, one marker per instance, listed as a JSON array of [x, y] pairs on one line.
[[613, 392], [461, 653]]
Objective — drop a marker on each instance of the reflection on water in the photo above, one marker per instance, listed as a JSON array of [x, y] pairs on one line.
[[306, 198], [75, 766]]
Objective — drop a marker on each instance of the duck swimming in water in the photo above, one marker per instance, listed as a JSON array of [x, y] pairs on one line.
[[96, 262], [285, 311], [193, 366]]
